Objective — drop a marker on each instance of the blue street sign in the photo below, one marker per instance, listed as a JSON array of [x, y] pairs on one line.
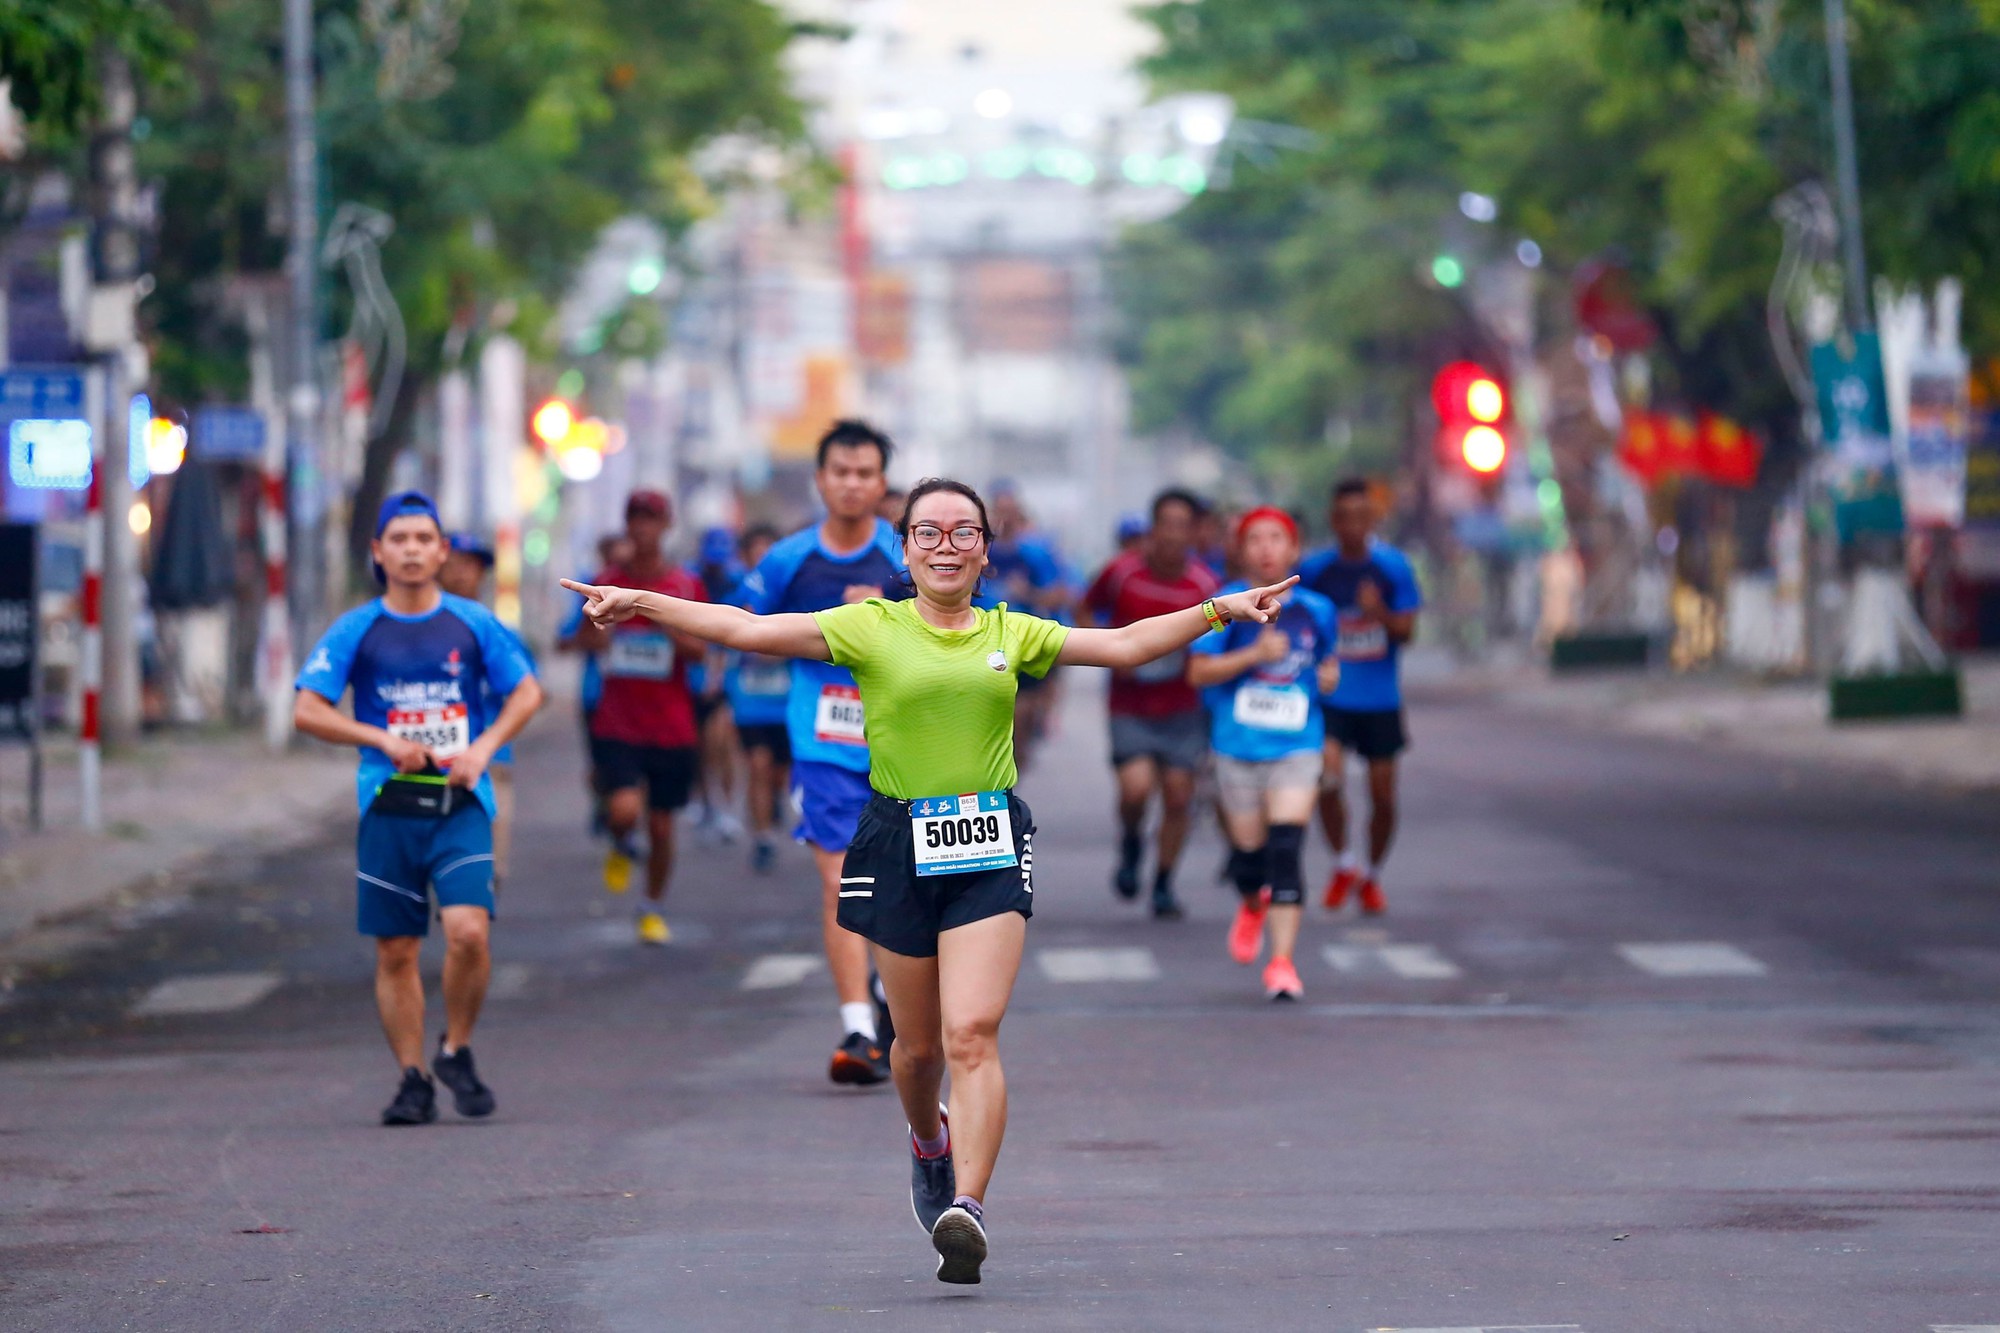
[[45, 393], [227, 435]]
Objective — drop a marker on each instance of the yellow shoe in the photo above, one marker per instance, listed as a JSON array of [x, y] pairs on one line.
[[653, 928], [617, 871]]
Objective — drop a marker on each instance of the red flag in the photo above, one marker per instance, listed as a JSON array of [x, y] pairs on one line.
[[1641, 447], [1730, 455]]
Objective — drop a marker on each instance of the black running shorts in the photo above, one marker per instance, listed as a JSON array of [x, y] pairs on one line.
[[772, 736], [666, 771], [1372, 734], [883, 899]]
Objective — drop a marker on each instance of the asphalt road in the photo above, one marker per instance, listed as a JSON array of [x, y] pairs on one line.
[[1651, 1039]]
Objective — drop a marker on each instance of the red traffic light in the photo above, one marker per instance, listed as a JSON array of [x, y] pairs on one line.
[[1483, 448], [1471, 403]]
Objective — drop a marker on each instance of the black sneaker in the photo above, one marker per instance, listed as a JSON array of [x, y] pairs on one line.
[[960, 1240], [1166, 907], [416, 1100], [885, 1026], [469, 1097], [1126, 882], [859, 1061], [933, 1182]]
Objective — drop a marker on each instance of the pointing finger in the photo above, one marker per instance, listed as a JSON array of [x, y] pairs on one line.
[[588, 590]]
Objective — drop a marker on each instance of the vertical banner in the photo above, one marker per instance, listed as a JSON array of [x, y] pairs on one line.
[[1859, 455]]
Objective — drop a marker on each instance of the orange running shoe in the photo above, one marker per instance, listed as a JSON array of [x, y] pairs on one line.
[[1339, 887], [1281, 980], [1246, 933], [1372, 901]]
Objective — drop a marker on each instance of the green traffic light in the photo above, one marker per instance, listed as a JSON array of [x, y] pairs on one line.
[[1447, 271]]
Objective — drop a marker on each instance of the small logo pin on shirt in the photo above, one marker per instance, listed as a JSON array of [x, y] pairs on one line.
[[997, 660]]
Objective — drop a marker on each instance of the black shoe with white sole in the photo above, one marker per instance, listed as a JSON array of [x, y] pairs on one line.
[[960, 1240]]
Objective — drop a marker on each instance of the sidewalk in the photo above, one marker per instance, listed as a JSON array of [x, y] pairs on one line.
[[1784, 720], [170, 804]]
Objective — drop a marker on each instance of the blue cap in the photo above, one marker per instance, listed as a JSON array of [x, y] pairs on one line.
[[718, 546], [474, 545], [1132, 525], [396, 506]]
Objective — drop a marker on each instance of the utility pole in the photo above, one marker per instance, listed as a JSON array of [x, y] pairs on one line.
[[302, 400], [110, 334], [1847, 169]]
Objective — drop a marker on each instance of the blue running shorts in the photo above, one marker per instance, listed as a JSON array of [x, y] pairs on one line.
[[400, 861], [829, 800]]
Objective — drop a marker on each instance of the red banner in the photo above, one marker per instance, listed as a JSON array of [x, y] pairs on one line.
[[1657, 445]]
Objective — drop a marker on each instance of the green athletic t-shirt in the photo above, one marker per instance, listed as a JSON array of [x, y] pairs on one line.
[[938, 714]]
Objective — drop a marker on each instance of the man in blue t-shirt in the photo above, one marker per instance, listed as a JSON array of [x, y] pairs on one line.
[[1262, 686], [849, 556], [758, 689], [439, 686], [1374, 589]]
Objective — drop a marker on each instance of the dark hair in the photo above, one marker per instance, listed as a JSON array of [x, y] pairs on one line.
[[1348, 487], [852, 433], [755, 533], [1175, 495], [933, 486]]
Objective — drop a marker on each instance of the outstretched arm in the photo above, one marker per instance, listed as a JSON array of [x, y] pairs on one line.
[[792, 634], [1144, 640]]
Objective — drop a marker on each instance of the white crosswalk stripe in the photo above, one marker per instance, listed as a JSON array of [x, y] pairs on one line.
[[1692, 960], [215, 993], [509, 981], [776, 970], [1130, 964], [1412, 962]]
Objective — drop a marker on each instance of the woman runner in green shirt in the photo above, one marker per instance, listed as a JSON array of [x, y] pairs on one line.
[[940, 875]]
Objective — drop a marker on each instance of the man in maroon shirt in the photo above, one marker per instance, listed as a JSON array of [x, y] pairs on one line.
[[643, 733], [1159, 733]]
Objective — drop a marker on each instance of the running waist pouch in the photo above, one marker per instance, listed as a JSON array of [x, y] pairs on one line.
[[418, 796]]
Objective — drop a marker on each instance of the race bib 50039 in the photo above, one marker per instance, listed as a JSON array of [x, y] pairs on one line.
[[954, 834], [838, 718]]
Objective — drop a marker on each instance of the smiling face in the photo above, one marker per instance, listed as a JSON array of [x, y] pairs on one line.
[[947, 574], [1269, 551], [410, 550]]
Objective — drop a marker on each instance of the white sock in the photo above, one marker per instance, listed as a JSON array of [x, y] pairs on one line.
[[1349, 861], [859, 1018], [1375, 871]]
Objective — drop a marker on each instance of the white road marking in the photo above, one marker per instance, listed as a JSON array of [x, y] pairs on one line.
[[775, 970], [1692, 960], [509, 980], [1412, 962], [1486, 1328], [1131, 964], [216, 993]]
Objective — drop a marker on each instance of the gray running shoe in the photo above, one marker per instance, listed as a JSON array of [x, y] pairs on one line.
[[960, 1240], [933, 1183]]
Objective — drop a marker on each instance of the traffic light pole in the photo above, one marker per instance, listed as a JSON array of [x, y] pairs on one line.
[[302, 400], [1846, 168]]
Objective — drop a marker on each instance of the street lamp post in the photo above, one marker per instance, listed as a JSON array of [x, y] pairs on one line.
[[302, 400], [1846, 169]]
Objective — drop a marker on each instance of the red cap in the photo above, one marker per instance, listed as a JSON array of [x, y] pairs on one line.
[[654, 503], [1272, 512]]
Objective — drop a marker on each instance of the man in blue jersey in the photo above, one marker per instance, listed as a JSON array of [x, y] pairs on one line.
[[427, 669], [1374, 589], [850, 556], [464, 575], [1262, 685]]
